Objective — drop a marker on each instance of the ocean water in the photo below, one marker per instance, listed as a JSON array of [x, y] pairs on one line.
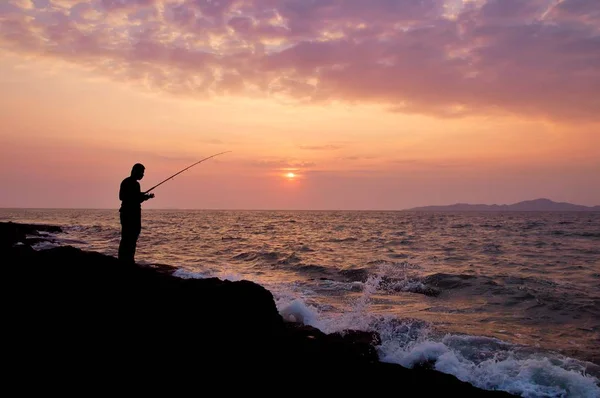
[[506, 301]]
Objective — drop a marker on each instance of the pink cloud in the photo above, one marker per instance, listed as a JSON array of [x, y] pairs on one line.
[[529, 57], [113, 5]]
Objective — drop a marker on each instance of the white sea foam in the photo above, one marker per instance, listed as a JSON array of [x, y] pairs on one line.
[[187, 274], [527, 375], [298, 311], [487, 363], [45, 245]]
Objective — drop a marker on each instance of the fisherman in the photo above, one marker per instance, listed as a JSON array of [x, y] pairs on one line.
[[131, 208], [131, 212]]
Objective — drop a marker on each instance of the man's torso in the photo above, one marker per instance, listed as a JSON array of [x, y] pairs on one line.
[[130, 194]]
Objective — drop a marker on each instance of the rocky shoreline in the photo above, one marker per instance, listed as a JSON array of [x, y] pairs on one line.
[[82, 317]]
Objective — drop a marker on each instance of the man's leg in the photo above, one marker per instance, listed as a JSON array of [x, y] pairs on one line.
[[136, 228], [129, 236]]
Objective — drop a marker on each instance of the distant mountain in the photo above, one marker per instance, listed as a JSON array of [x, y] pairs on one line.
[[528, 205]]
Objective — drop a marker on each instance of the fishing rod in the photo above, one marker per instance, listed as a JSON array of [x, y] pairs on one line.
[[189, 167]]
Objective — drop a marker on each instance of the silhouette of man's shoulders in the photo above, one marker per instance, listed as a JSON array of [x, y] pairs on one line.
[[130, 184], [129, 181]]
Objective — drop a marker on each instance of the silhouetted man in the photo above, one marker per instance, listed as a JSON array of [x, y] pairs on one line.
[[131, 198]]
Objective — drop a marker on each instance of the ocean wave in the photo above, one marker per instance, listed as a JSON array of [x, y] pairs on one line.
[[495, 226], [290, 259], [461, 226], [355, 274], [588, 234], [494, 365], [341, 240], [229, 238], [312, 268], [305, 249], [492, 248], [449, 282], [255, 255], [399, 242], [408, 285], [533, 225], [485, 362]]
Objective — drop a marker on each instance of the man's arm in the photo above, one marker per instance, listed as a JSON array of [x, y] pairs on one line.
[[141, 196], [130, 192]]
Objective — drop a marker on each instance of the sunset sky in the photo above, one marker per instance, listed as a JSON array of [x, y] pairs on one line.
[[371, 104]]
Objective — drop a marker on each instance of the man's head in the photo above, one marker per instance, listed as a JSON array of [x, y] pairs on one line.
[[137, 171]]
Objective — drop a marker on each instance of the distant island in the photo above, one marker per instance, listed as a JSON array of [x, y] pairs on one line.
[[528, 205]]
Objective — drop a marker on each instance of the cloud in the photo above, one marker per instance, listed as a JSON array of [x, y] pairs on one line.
[[320, 147], [24, 4], [359, 157], [430, 164], [448, 58], [278, 164]]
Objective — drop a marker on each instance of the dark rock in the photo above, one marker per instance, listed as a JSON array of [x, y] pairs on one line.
[[12, 233]]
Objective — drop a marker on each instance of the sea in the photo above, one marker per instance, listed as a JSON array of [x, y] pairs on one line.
[[507, 301]]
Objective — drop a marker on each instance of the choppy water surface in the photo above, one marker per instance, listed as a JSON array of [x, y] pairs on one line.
[[502, 300]]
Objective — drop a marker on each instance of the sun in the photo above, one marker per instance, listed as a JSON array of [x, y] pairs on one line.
[[290, 175]]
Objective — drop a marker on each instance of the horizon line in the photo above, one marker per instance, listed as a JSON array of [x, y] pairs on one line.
[[414, 208], [182, 208]]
